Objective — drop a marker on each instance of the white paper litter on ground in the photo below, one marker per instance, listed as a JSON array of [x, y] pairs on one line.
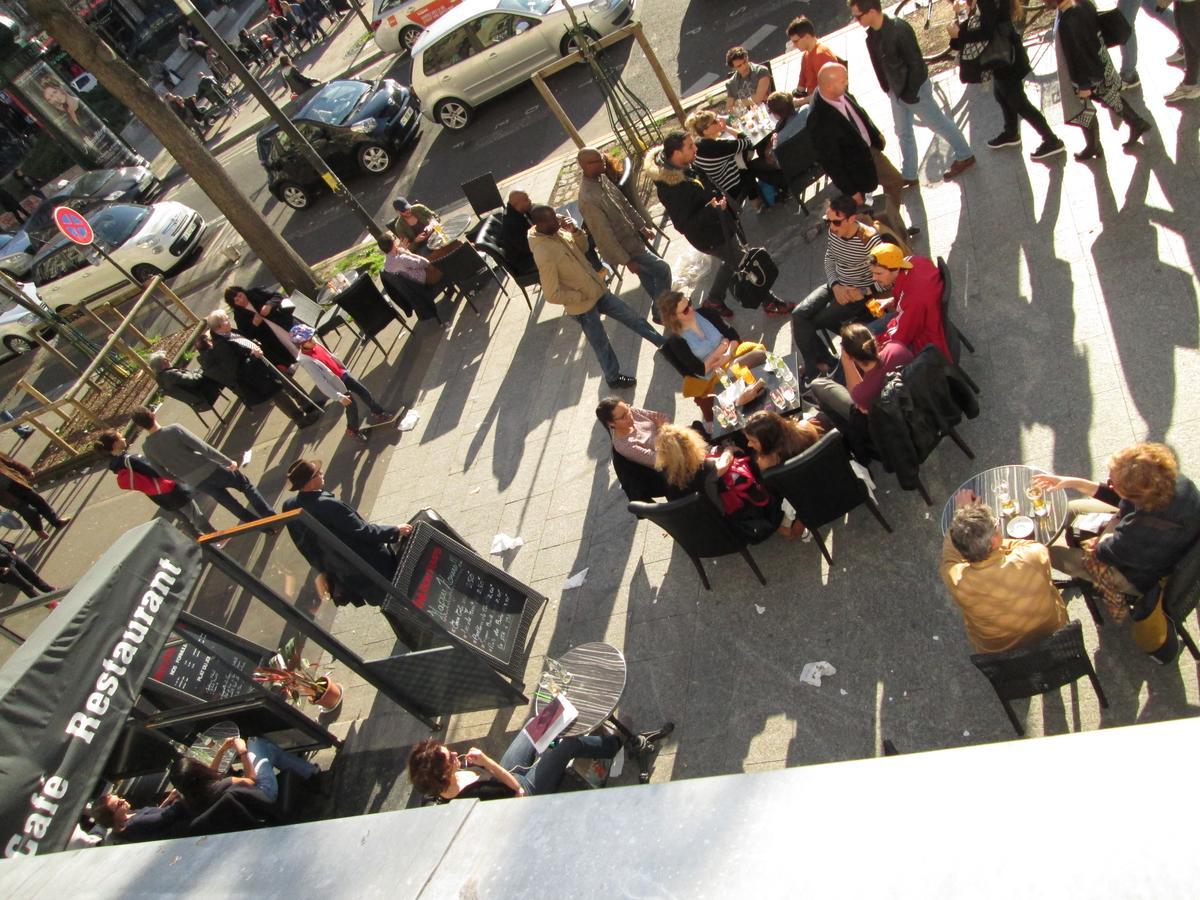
[[503, 542], [842, 691], [759, 609], [410, 420], [246, 457], [813, 672], [690, 270], [575, 580]]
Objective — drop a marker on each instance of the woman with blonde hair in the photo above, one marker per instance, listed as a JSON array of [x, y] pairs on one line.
[[1156, 520], [701, 347], [682, 456]]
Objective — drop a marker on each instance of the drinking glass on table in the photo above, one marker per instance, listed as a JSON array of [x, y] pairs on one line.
[[1007, 505], [1037, 497]]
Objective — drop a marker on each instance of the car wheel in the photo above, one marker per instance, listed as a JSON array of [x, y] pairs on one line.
[[568, 44], [453, 114], [143, 272], [16, 344], [293, 195], [374, 159], [408, 37]]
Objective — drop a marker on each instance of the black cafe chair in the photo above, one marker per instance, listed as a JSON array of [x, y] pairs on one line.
[[370, 310], [955, 339], [822, 487], [489, 240], [468, 273], [798, 159], [483, 194], [1045, 666], [699, 528]]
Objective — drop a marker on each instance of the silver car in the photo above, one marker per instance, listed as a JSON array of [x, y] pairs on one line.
[[482, 48]]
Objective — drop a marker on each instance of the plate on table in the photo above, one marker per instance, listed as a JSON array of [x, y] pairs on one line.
[[1020, 527]]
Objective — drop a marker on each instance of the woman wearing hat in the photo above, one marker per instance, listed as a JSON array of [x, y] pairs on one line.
[[335, 380]]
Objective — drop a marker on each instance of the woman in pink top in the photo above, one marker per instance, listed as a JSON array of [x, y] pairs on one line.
[[634, 433]]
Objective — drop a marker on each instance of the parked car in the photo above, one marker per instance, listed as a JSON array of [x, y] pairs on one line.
[[482, 48], [17, 324], [144, 240], [88, 192], [345, 121], [398, 23]]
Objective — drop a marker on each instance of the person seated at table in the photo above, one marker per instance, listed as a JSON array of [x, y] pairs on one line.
[[190, 386], [1003, 587], [514, 234], [413, 222], [913, 314], [634, 434], [789, 121], [202, 785], [1156, 520], [718, 146], [865, 366], [701, 347], [774, 439], [690, 468], [265, 318], [411, 281], [750, 82], [802, 35], [441, 774], [127, 825]]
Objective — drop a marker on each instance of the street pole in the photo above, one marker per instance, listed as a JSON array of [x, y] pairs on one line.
[[234, 62], [362, 17]]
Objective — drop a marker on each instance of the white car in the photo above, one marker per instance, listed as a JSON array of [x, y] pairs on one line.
[[17, 324], [398, 23], [143, 240], [482, 48]]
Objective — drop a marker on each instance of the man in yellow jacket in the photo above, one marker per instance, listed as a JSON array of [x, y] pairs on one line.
[[1002, 587], [569, 280]]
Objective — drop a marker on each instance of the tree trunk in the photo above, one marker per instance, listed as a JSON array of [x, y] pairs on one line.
[[95, 55]]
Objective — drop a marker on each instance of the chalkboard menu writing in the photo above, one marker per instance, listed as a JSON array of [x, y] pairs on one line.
[[471, 599], [202, 667]]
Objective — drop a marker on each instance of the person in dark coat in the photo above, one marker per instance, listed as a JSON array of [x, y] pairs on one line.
[[17, 494], [14, 569], [1086, 74], [239, 364], [514, 234], [985, 20], [262, 316], [12, 205], [296, 81], [375, 544], [194, 388]]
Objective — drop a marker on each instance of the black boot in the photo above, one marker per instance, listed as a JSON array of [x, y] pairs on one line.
[[1137, 125], [1092, 150]]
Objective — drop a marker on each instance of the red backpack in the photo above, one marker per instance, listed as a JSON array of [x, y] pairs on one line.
[[129, 480]]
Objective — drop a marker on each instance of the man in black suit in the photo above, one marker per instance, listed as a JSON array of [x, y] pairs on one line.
[[850, 148]]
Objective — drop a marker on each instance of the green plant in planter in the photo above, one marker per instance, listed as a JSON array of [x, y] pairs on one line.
[[293, 677]]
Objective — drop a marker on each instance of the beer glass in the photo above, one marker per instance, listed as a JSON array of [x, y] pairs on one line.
[[1037, 497]]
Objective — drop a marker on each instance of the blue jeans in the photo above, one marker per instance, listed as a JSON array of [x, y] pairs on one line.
[[266, 758], [593, 329], [542, 775], [358, 389], [654, 273], [1129, 52], [932, 117], [217, 485]]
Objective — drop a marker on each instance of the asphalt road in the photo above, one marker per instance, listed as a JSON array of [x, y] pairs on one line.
[[515, 131]]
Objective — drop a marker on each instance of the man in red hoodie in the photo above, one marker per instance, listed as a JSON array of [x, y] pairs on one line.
[[916, 299]]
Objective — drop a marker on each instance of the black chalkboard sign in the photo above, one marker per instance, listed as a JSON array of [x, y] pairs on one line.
[[204, 667], [476, 603]]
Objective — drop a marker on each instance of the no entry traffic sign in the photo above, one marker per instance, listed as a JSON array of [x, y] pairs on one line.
[[73, 225]]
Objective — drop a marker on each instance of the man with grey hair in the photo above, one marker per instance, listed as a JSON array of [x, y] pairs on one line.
[[189, 386], [1003, 587], [620, 233]]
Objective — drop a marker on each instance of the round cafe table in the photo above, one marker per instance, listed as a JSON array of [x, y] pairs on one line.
[[1046, 528]]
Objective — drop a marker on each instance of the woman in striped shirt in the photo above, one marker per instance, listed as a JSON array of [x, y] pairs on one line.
[[717, 149]]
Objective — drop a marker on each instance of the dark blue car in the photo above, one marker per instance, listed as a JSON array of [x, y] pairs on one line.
[[345, 121]]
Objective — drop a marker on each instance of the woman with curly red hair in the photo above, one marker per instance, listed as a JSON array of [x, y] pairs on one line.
[[1156, 520]]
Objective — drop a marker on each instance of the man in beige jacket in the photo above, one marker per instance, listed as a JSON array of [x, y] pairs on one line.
[[569, 280], [1002, 587], [618, 229]]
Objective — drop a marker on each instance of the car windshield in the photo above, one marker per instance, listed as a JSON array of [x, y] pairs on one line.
[[541, 7], [334, 103], [91, 183], [115, 224]]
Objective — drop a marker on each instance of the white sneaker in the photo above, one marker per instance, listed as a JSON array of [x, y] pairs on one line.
[[1175, 58], [1184, 92]]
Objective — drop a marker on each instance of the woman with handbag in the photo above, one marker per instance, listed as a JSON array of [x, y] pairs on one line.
[[1086, 74], [987, 42]]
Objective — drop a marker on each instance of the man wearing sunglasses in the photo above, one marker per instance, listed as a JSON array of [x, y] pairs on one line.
[[847, 288]]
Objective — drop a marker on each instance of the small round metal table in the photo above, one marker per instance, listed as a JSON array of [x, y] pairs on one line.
[[1046, 528]]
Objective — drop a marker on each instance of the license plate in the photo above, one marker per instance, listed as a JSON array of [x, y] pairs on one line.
[[407, 117], [191, 230]]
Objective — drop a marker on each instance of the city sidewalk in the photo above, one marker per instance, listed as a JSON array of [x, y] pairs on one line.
[[1076, 284]]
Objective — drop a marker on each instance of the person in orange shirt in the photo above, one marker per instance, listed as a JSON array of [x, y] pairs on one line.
[[803, 36]]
